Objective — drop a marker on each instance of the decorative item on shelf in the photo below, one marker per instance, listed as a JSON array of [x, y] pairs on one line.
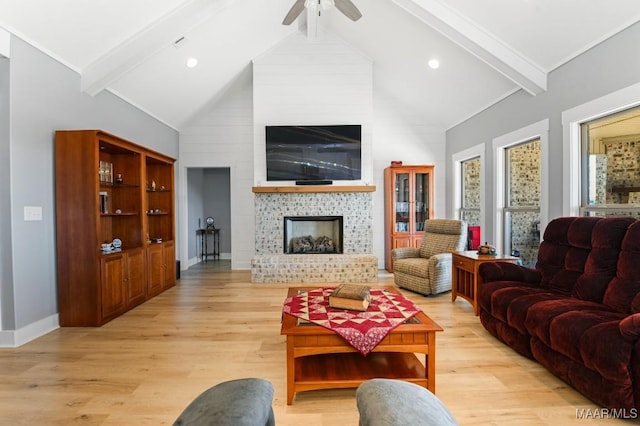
[[153, 185], [487, 249], [157, 240], [210, 222], [106, 247], [116, 243], [396, 163], [118, 211], [119, 178], [104, 202]]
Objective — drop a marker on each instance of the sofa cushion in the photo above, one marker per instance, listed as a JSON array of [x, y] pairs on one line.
[[601, 264], [568, 331], [502, 298], [563, 253], [543, 318], [605, 350], [622, 293], [415, 266], [630, 328]]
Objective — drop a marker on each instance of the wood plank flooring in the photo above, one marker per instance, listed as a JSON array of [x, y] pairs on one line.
[[146, 366]]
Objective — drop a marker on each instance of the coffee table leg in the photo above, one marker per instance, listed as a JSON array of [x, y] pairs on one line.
[[291, 371], [431, 362]]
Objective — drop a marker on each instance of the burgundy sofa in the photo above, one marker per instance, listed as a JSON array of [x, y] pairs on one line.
[[578, 312]]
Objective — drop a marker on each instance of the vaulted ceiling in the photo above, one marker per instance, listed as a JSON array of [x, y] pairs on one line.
[[487, 49]]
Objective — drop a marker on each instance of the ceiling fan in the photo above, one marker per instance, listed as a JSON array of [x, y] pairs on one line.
[[345, 6]]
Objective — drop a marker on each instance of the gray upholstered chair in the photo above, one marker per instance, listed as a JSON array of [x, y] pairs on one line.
[[427, 270], [241, 402], [389, 402]]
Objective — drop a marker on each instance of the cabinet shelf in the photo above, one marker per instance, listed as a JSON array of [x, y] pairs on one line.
[[123, 214], [118, 185]]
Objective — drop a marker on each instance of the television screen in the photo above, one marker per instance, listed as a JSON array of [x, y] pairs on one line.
[[313, 152]]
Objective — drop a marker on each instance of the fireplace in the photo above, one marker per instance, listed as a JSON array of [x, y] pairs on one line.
[[313, 235]]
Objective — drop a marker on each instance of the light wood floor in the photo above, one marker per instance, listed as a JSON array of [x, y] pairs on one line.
[[146, 366]]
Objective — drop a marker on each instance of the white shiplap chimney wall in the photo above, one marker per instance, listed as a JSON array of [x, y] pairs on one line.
[[312, 81]]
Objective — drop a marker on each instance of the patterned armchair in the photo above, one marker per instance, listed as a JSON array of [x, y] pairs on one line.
[[427, 270]]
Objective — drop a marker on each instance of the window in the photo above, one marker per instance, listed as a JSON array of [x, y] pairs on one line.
[[610, 156], [470, 191], [521, 187], [522, 201]]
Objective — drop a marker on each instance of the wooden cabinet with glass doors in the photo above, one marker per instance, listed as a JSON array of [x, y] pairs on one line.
[[114, 202], [408, 197]]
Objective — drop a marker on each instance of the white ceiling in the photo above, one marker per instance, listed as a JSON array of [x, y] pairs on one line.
[[487, 49]]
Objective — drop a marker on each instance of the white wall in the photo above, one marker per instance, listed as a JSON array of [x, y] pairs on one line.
[[45, 96], [222, 136], [309, 81], [306, 81], [606, 68]]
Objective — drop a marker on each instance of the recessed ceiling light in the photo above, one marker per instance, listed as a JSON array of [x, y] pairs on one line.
[[192, 62], [434, 64]]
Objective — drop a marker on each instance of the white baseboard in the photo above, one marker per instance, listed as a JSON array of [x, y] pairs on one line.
[[15, 338]]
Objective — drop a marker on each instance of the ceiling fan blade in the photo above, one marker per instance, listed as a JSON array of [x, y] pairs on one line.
[[348, 9], [294, 12]]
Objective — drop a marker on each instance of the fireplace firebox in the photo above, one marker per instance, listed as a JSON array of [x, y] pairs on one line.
[[313, 234]]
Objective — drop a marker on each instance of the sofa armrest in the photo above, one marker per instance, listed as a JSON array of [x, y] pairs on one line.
[[630, 327], [404, 252], [506, 271]]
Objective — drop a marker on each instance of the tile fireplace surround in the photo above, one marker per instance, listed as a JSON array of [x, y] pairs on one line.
[[354, 204]]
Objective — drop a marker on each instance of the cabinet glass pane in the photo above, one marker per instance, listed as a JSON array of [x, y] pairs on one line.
[[421, 208], [402, 202]]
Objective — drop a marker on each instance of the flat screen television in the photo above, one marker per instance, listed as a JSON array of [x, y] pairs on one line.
[[314, 152]]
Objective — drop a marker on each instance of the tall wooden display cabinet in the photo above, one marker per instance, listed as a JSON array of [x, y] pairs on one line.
[[111, 192], [408, 198]]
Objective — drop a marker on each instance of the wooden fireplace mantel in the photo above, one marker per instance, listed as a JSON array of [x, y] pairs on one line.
[[313, 188]]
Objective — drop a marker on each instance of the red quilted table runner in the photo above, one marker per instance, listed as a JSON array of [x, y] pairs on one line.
[[362, 330]]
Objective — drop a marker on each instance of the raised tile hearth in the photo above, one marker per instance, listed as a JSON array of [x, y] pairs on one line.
[[315, 268]]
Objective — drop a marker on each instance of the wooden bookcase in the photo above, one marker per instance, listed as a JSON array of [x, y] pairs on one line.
[[108, 188], [408, 199]]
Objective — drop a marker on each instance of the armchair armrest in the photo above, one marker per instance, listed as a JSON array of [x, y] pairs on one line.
[[404, 252], [630, 327], [505, 271]]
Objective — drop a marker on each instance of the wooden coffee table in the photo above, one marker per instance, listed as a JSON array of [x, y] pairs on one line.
[[318, 358]]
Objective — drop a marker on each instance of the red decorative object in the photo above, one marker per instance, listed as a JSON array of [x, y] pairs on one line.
[[362, 330], [396, 163]]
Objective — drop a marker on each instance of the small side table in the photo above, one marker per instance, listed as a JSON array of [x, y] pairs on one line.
[[204, 243], [464, 273]]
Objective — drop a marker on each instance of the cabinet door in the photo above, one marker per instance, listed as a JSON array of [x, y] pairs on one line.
[[136, 284], [169, 255], [155, 269], [422, 188], [112, 285], [402, 242], [402, 202]]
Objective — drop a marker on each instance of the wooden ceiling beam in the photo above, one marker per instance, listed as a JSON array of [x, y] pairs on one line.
[[479, 42], [110, 67]]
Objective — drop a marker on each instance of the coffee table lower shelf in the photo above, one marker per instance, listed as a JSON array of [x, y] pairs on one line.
[[349, 370]]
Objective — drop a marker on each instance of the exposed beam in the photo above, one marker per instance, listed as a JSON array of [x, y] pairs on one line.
[[114, 64], [475, 39]]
